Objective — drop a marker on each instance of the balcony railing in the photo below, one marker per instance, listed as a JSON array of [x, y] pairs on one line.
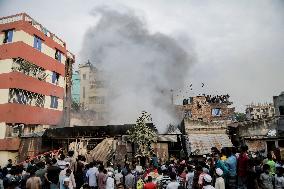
[[27, 18], [21, 96], [27, 68]]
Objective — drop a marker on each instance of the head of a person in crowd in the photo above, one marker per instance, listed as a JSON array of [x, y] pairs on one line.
[[68, 172], [109, 164], [207, 180], [91, 164], [199, 170], [266, 168], [49, 163], [54, 161], [42, 165], [101, 168], [19, 169], [189, 168], [110, 174], [86, 186], [67, 165], [165, 172], [62, 157], [229, 152], [219, 172], [234, 150], [70, 153], [150, 179], [173, 176], [128, 170], [269, 156], [105, 171], [279, 171], [205, 170], [251, 164], [79, 158], [244, 148], [10, 161], [32, 161], [32, 171], [83, 158], [223, 152], [27, 159]]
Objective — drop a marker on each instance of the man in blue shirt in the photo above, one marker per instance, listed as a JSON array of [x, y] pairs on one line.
[[231, 163]]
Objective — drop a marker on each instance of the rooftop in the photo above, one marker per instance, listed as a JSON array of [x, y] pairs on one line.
[[24, 17]]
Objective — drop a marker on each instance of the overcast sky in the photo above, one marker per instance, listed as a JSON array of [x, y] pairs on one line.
[[239, 45]]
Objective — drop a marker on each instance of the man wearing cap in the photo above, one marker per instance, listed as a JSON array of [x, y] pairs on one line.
[[207, 182], [220, 183]]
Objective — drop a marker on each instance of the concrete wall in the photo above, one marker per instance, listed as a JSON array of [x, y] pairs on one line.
[[6, 66], [29, 40], [2, 130], [5, 155]]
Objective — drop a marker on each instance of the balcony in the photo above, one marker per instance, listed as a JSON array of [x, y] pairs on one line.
[[27, 68]]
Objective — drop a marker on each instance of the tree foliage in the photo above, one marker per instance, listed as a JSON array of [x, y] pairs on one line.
[[142, 135], [240, 116]]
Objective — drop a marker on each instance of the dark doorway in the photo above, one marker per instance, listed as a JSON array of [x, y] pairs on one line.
[[270, 146], [281, 110]]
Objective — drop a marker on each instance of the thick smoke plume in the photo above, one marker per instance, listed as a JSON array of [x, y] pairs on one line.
[[141, 68]]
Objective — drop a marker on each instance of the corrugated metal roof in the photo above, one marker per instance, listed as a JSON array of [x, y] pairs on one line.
[[202, 143], [103, 151], [10, 144], [167, 138]]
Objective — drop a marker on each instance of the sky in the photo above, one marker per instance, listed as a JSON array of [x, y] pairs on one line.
[[238, 45]]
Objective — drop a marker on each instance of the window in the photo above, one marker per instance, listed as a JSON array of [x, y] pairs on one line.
[[187, 114], [37, 43], [58, 55], [55, 78], [84, 76], [216, 112], [54, 102], [99, 100], [8, 36], [84, 92]]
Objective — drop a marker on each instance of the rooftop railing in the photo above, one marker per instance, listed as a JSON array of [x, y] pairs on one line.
[[27, 18]]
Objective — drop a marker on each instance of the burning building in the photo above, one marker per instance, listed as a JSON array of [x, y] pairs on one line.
[[205, 122], [35, 78]]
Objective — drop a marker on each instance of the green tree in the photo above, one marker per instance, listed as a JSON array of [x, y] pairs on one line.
[[240, 116], [142, 135]]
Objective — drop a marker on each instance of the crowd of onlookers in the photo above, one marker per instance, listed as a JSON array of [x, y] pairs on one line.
[[220, 170]]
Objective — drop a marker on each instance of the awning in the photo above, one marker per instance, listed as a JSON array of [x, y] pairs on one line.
[[202, 143]]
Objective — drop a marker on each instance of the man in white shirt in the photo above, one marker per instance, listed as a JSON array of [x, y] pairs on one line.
[[173, 184], [207, 182], [92, 175], [189, 177]]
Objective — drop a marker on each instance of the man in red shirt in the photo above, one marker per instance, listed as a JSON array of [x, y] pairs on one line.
[[150, 184], [243, 167]]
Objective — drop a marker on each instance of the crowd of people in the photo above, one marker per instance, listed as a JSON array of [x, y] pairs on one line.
[[227, 169]]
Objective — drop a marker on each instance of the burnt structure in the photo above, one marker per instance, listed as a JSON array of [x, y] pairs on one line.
[[167, 144], [208, 108], [205, 121]]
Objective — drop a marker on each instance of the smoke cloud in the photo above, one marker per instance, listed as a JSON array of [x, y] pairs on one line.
[[141, 67]]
